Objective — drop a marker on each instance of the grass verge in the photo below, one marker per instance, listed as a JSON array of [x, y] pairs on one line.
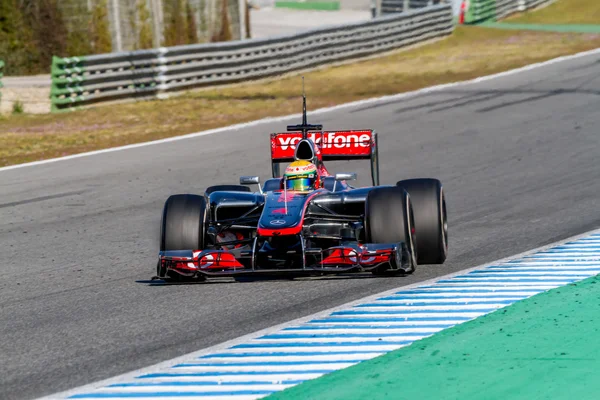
[[468, 53], [562, 12]]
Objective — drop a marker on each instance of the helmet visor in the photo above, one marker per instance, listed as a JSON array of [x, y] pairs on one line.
[[300, 184]]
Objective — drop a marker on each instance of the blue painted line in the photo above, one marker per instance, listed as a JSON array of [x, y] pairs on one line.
[[366, 312], [320, 344], [390, 319], [365, 327], [478, 288], [203, 383], [562, 255], [572, 252], [450, 303], [580, 259], [168, 394], [472, 279], [386, 319], [288, 354], [571, 258], [577, 243], [530, 268], [528, 276], [579, 248], [555, 263], [339, 335], [458, 290], [488, 274], [578, 255], [548, 264], [586, 249], [231, 373], [261, 363], [421, 298]]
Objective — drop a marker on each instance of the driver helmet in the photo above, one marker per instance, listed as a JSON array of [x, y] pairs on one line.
[[301, 176]]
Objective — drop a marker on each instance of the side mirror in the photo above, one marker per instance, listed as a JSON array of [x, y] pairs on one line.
[[345, 176], [251, 180]]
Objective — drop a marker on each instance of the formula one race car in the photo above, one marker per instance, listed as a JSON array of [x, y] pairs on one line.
[[305, 221]]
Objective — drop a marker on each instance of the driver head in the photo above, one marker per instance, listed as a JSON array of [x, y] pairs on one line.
[[301, 176]]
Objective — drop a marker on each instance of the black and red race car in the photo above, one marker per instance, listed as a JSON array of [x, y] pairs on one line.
[[230, 230]]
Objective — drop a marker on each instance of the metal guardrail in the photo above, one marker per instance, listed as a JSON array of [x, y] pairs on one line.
[[482, 10], [82, 81], [529, 4]]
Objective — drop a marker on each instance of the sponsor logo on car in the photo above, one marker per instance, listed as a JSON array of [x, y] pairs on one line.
[[328, 140], [277, 222]]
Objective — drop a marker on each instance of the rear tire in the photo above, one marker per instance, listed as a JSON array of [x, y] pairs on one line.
[[389, 219], [429, 205]]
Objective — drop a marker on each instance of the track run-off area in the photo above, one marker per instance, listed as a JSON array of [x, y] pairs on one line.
[[517, 155]]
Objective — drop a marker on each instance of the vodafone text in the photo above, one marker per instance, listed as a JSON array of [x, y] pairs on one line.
[[336, 140]]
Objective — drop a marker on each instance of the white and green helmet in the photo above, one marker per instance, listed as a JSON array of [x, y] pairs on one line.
[[301, 176]]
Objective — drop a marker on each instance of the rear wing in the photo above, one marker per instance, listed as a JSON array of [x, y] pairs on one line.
[[330, 146]]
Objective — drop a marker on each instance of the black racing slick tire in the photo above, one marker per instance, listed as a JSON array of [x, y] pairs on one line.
[[389, 219], [429, 205], [227, 188], [182, 225]]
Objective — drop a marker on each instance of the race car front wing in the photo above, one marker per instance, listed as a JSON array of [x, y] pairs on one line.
[[353, 257]]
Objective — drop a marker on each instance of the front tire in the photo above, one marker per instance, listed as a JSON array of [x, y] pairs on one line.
[[182, 225], [429, 205], [182, 228], [389, 219]]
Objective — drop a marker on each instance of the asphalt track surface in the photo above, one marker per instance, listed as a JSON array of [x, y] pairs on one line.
[[518, 156]]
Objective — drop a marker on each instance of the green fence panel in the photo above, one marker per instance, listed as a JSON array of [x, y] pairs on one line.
[[67, 75], [493, 10], [480, 10]]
